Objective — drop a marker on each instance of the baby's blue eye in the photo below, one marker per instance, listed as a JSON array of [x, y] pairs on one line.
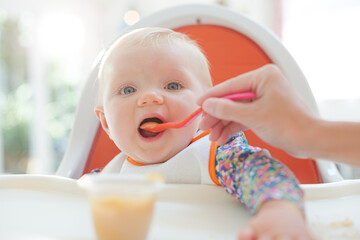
[[173, 86], [127, 90]]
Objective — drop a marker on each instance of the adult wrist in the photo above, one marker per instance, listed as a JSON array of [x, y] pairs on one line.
[[307, 136], [317, 140]]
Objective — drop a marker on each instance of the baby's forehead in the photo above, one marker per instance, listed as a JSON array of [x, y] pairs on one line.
[[170, 54], [159, 45], [121, 51]]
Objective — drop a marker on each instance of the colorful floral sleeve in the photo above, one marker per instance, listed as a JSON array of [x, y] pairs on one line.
[[251, 175]]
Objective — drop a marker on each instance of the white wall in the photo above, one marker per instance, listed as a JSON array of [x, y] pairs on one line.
[[324, 36]]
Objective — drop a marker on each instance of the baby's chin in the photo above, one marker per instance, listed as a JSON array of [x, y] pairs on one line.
[[153, 158], [149, 161]]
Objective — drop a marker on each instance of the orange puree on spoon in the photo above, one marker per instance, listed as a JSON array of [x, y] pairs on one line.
[[148, 124]]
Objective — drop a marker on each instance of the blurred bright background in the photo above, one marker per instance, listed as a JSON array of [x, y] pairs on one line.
[[47, 48]]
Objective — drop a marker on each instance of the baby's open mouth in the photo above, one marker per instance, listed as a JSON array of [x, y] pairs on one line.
[[145, 133]]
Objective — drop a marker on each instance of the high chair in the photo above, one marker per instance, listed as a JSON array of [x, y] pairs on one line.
[[233, 45]]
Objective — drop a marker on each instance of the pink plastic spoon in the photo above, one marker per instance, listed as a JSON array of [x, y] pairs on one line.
[[163, 126]]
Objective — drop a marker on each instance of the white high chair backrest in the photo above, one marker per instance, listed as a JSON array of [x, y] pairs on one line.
[[190, 19]]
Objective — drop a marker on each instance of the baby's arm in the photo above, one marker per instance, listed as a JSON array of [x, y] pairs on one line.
[[266, 187]]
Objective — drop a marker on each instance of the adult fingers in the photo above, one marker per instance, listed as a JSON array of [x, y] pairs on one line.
[[230, 130], [241, 83], [217, 130], [250, 81], [222, 133], [208, 122], [228, 110]]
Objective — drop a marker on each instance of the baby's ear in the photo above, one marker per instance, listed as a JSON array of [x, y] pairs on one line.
[[99, 111]]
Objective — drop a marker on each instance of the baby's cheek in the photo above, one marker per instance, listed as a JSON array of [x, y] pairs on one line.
[[124, 131]]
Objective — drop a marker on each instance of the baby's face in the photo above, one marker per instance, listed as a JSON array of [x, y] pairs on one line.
[[153, 83]]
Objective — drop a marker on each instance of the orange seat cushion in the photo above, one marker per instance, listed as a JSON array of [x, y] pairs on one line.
[[230, 53]]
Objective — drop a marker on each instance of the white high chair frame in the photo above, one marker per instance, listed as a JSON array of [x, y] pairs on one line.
[[86, 123]]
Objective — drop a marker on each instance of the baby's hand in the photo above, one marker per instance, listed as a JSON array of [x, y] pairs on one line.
[[276, 219]]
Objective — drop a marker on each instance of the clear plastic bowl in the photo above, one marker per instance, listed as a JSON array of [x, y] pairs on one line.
[[122, 205]]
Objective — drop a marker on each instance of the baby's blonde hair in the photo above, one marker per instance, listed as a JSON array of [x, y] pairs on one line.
[[152, 36]]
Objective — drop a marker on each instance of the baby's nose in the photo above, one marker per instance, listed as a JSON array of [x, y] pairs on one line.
[[150, 97]]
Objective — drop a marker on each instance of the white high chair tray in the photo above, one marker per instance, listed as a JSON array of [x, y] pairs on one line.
[[50, 207]]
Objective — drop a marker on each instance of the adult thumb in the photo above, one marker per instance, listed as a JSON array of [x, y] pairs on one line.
[[225, 109]]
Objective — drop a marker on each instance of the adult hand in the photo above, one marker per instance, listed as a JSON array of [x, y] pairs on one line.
[[276, 114]]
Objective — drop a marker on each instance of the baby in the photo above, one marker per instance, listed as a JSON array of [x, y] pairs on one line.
[[155, 75]]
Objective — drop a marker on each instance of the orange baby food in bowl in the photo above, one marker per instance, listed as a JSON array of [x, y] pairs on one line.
[[122, 206]]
